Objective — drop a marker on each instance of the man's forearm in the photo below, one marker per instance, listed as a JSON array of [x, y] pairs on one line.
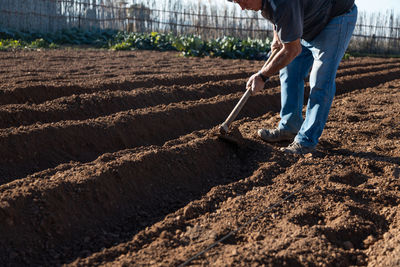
[[285, 55], [276, 37], [281, 60]]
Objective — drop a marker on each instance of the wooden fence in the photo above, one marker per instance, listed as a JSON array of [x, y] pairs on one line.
[[52, 15], [210, 21]]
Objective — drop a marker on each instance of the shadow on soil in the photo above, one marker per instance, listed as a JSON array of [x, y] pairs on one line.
[[364, 155]]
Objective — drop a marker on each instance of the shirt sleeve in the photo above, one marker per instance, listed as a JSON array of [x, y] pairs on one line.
[[288, 20]]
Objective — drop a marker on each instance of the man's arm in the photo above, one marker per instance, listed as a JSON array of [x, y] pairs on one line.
[[287, 53]]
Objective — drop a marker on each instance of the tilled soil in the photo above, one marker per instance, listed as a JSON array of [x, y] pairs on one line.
[[111, 158]]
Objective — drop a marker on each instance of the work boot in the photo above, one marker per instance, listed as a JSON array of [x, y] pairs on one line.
[[297, 148], [275, 135]]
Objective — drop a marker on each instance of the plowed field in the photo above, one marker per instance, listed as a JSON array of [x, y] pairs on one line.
[[109, 158]]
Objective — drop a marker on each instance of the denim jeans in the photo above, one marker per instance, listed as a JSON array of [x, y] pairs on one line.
[[322, 55]]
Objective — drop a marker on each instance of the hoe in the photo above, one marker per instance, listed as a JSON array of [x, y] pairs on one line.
[[224, 127]]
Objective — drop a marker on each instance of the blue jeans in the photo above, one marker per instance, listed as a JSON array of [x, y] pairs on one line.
[[323, 55]]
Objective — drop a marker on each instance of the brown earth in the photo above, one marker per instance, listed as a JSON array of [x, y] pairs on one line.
[[110, 158]]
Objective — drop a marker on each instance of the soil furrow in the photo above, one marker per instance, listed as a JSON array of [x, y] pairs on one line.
[[87, 106], [41, 93], [56, 143], [363, 62], [344, 84], [83, 141], [312, 213], [367, 69], [181, 220], [126, 190], [44, 92]]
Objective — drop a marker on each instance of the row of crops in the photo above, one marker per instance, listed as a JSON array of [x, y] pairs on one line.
[[190, 45]]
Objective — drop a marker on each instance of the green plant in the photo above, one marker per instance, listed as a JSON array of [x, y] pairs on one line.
[[9, 44], [346, 56], [193, 45], [53, 46], [122, 46], [188, 45], [39, 43]]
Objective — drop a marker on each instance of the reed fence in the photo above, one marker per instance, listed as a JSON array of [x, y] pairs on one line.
[[375, 33]]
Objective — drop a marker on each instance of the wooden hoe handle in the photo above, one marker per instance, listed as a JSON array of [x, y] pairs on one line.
[[223, 129]]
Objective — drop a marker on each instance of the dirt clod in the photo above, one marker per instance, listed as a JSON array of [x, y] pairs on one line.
[[348, 245]]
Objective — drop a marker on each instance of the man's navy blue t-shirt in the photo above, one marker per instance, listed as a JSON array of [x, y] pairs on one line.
[[294, 19]]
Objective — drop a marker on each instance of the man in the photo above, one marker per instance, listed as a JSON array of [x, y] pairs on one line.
[[308, 35]]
